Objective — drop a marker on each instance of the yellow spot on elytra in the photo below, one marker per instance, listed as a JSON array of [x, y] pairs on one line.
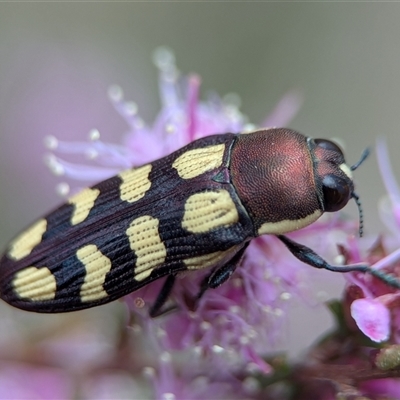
[[24, 243], [209, 260], [209, 210], [35, 284], [97, 266], [83, 202], [135, 183], [145, 241], [195, 162], [287, 225]]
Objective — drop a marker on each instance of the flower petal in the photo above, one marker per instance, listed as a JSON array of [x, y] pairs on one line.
[[372, 317]]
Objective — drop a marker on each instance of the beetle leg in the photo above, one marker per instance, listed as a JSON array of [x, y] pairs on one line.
[[157, 308], [308, 256], [220, 275], [215, 279]]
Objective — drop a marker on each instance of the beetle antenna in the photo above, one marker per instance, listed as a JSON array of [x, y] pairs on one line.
[[364, 155], [360, 212]]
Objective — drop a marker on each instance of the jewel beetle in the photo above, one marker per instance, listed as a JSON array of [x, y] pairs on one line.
[[196, 208]]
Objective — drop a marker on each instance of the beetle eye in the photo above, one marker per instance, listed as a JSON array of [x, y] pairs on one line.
[[336, 192], [328, 145]]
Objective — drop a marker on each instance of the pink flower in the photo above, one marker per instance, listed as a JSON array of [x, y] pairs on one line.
[[372, 317], [375, 306]]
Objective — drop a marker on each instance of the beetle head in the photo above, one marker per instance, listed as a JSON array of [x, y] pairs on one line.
[[334, 178]]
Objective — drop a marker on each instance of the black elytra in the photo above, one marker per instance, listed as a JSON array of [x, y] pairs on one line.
[[198, 207]]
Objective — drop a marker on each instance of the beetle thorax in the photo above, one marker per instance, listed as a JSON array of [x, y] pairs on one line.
[[273, 175]]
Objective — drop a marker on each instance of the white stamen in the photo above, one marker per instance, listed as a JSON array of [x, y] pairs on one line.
[[62, 189], [94, 135], [285, 296], [168, 396], [252, 367], [217, 349], [148, 372], [163, 58], [197, 350], [234, 309], [51, 142], [249, 128], [115, 93], [205, 325], [340, 259], [55, 167], [169, 128], [165, 357]]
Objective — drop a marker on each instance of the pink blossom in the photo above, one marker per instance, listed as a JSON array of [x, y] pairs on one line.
[[374, 305], [372, 317]]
